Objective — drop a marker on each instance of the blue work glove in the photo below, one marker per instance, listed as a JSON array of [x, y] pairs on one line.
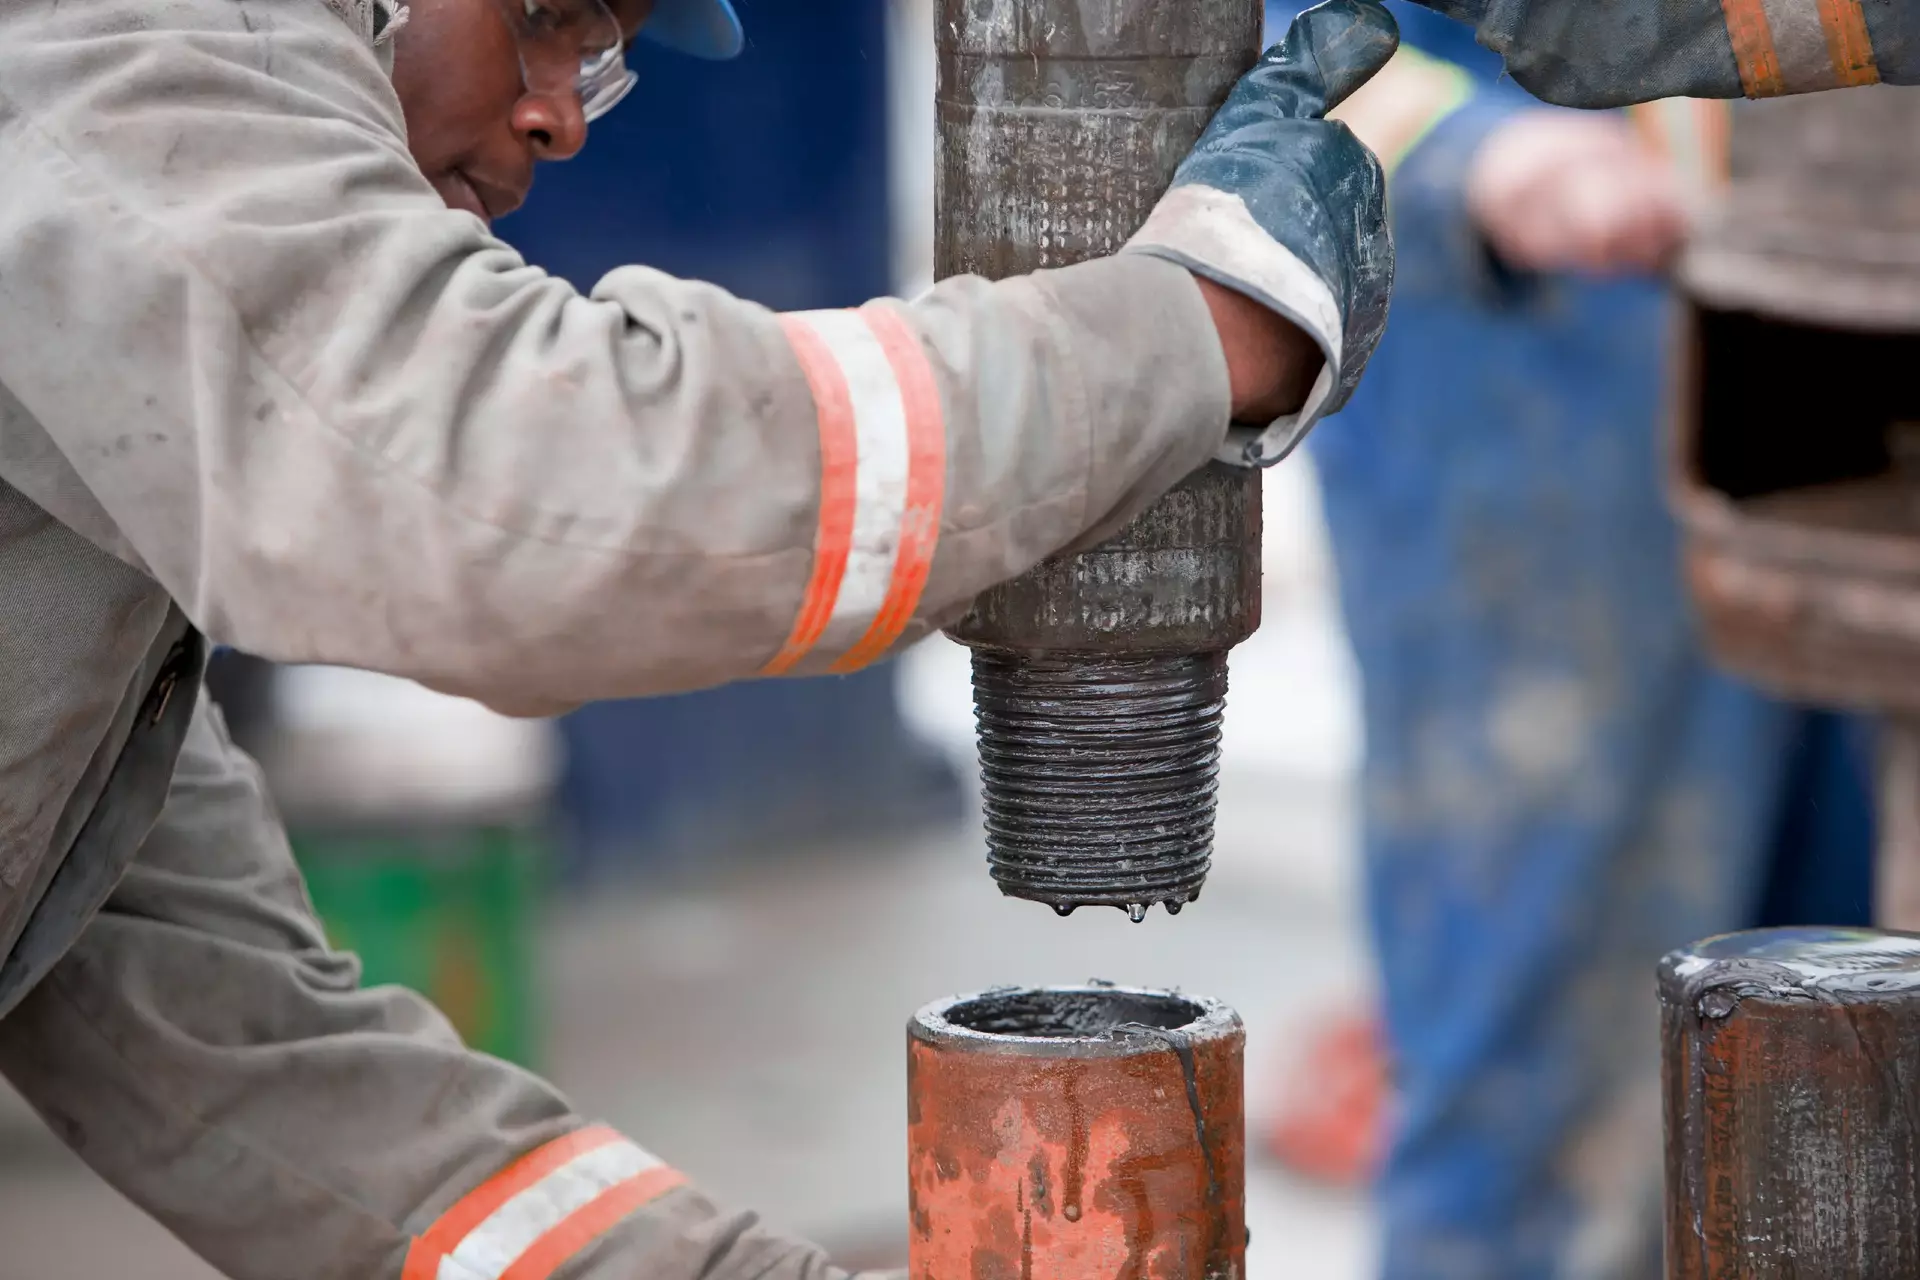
[[1609, 53], [1289, 208]]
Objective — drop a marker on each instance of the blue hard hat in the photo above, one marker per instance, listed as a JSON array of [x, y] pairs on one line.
[[703, 28]]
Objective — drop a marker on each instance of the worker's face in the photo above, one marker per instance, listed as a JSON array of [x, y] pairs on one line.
[[475, 127]]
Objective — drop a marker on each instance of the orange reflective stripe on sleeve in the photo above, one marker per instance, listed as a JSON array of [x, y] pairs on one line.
[[1753, 51], [833, 407], [453, 1226], [1849, 44], [534, 1214], [919, 529], [883, 482], [589, 1222], [1800, 46]]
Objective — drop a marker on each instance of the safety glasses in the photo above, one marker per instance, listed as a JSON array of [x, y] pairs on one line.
[[571, 46]]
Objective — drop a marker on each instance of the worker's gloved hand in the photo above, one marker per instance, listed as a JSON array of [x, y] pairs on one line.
[[1288, 208], [1608, 53]]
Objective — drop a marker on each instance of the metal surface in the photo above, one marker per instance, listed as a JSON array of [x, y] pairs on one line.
[[1801, 514], [1793, 1057], [1098, 775], [1099, 685], [1796, 467], [1896, 870], [1795, 471], [1060, 124], [1793, 1131], [1074, 1134], [1822, 222]]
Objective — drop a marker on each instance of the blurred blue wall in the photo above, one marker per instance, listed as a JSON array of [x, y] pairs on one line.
[[769, 176]]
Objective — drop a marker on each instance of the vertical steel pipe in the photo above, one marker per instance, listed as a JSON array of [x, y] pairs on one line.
[[1896, 881], [1792, 1077], [1099, 678], [1080, 1133]]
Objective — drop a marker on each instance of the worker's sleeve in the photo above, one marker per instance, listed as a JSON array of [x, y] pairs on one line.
[[207, 1054], [1605, 53], [341, 423]]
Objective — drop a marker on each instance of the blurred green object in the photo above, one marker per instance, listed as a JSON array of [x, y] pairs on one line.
[[449, 912]]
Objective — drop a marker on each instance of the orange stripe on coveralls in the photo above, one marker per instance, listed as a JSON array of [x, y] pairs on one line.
[[474, 1208], [1753, 50], [926, 485], [591, 1221], [1849, 43], [833, 539]]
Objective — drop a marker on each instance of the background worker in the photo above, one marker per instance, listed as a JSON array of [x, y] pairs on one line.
[[1558, 788], [266, 378]]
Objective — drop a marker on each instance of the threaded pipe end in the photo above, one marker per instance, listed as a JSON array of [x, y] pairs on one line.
[[1098, 775]]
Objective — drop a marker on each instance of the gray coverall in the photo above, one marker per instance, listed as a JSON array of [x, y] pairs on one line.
[[258, 384]]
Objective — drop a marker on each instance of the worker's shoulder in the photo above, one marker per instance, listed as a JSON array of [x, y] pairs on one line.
[[80, 69]]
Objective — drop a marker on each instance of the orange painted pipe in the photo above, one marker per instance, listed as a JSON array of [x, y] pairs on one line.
[[1075, 1133]]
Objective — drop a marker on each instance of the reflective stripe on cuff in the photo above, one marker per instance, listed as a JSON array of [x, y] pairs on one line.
[[531, 1217], [883, 469], [1800, 46]]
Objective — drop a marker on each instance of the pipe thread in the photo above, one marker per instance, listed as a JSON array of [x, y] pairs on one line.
[[1098, 775]]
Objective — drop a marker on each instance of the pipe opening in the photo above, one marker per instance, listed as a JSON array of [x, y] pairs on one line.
[[1065, 1015]]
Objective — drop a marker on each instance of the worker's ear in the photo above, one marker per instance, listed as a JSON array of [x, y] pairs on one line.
[[1329, 51]]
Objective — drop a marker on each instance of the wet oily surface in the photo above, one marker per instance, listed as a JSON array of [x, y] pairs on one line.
[[1071, 1014], [1793, 1135]]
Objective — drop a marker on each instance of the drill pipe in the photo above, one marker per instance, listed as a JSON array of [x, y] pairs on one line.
[[1793, 1131], [1076, 1133], [1099, 677], [1802, 547]]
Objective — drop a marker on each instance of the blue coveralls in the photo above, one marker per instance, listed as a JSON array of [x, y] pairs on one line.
[[1557, 787]]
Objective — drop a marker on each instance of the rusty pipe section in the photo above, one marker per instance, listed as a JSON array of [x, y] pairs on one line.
[[1896, 879], [1100, 677], [1792, 1079], [1795, 468], [1075, 1133]]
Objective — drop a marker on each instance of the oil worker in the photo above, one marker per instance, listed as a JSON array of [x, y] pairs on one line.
[[266, 379], [1559, 787]]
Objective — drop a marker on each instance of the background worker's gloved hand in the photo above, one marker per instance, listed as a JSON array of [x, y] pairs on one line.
[[1609, 53], [1288, 208]]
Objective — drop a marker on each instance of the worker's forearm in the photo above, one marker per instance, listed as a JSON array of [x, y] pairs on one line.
[[342, 424], [1271, 362], [1581, 53]]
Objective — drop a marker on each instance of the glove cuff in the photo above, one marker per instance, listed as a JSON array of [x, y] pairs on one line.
[[1213, 234]]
